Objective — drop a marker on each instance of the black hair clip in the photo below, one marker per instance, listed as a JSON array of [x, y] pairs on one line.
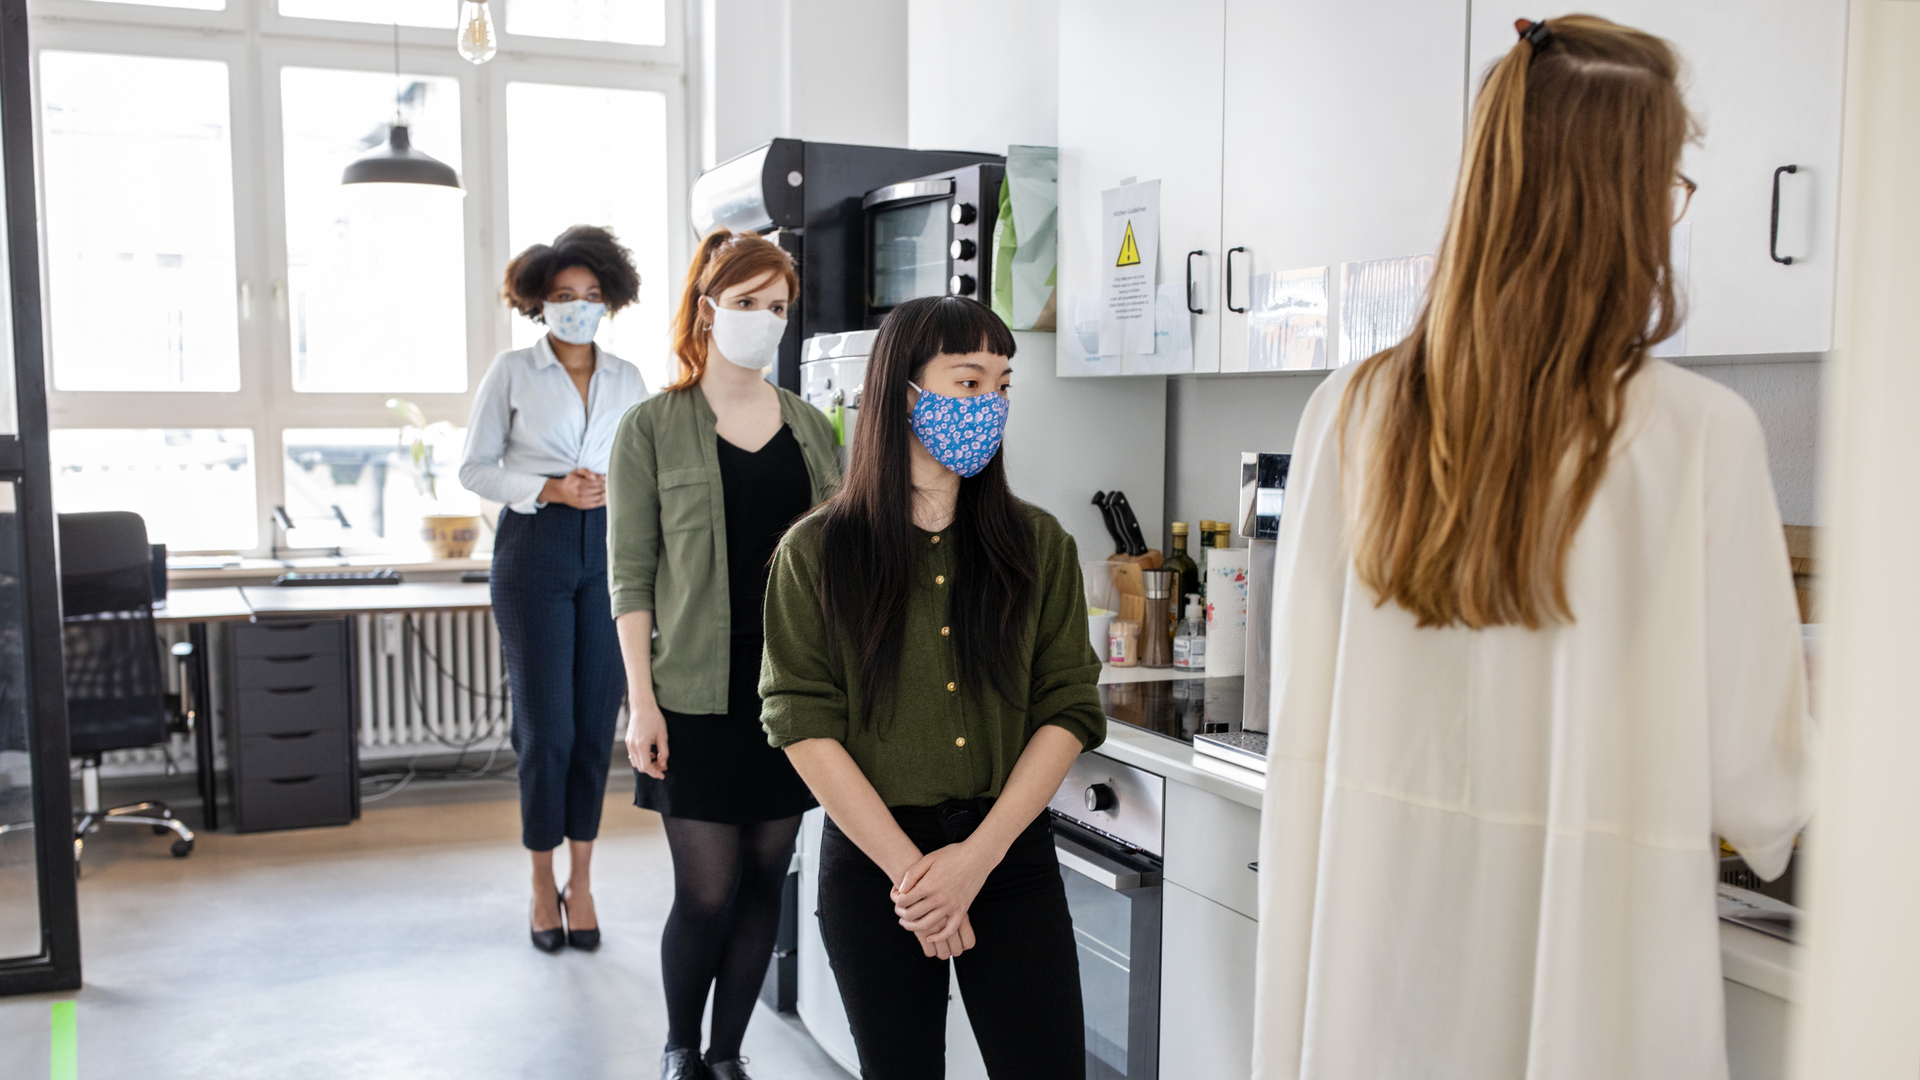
[[1535, 34]]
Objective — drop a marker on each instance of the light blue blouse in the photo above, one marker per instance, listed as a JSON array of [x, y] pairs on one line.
[[527, 423]]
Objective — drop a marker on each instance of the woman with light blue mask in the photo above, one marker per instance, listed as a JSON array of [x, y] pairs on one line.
[[538, 441]]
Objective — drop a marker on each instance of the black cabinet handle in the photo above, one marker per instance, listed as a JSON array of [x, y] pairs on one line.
[[1230, 307], [1254, 866], [1190, 308], [1773, 228], [282, 736], [295, 780], [287, 659], [290, 689]]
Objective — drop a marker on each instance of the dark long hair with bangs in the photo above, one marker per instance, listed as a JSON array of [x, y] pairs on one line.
[[868, 533]]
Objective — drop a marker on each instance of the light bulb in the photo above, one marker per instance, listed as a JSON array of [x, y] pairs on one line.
[[476, 31]]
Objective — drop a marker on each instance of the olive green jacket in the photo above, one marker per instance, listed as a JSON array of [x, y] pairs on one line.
[[936, 736], [667, 534]]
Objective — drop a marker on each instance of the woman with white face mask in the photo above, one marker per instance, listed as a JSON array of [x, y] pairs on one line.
[[704, 479], [537, 441]]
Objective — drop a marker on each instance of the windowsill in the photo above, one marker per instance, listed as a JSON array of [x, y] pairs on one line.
[[408, 563]]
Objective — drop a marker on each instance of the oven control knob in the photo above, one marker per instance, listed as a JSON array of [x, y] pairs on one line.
[[960, 284], [962, 213], [1101, 797], [961, 249]]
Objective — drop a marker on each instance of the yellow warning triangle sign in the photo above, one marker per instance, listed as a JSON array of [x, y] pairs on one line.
[[1129, 251]]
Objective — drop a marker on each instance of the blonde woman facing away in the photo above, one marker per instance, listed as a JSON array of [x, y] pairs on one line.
[[706, 477], [1535, 640]]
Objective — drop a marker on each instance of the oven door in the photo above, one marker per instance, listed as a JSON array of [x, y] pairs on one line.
[[908, 235], [1114, 895]]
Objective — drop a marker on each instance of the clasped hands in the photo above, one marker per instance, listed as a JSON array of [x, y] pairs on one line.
[[934, 894]]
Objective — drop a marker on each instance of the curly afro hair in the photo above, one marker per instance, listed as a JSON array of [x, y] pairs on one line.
[[530, 275]]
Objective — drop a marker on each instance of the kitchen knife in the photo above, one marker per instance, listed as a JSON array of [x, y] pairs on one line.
[[1113, 523], [1122, 510]]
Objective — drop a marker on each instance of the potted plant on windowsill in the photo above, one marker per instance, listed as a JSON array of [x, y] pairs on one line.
[[448, 536]]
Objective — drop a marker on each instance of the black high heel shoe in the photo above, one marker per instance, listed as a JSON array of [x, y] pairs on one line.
[[584, 940], [552, 941]]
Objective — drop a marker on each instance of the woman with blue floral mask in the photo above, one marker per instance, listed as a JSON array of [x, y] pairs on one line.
[[538, 441], [928, 672]]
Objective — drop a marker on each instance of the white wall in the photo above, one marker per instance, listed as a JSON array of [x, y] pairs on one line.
[[983, 75], [826, 70]]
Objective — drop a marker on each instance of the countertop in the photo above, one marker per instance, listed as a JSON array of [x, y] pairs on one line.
[[1747, 956]]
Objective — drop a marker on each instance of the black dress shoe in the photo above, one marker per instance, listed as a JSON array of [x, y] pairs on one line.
[[730, 1069], [584, 940], [682, 1065], [549, 941]]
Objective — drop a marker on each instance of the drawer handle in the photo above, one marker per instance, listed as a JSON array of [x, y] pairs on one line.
[[1773, 227], [287, 659], [1254, 866], [288, 781], [307, 689], [278, 626], [288, 736]]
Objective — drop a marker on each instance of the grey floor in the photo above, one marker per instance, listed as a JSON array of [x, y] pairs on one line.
[[394, 947]]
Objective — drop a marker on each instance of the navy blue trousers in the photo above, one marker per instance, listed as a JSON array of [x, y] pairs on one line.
[[549, 585]]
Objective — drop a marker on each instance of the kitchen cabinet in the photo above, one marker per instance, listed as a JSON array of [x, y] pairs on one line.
[[1206, 988], [1140, 84], [1343, 129], [1765, 80], [1211, 844]]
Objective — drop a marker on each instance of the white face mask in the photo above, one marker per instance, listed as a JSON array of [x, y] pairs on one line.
[[575, 321], [747, 338]]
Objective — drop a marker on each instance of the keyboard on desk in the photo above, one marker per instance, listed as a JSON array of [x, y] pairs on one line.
[[387, 576]]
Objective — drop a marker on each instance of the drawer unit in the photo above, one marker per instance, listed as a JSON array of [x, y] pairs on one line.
[[288, 638], [1210, 841], [295, 802], [291, 724]]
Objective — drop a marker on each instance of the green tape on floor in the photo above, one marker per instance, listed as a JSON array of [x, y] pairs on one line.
[[66, 1042]]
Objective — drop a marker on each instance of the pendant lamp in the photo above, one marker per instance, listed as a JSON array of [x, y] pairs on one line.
[[398, 162]]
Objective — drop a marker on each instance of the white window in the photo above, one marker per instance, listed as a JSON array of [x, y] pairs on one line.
[[626, 192], [138, 161], [226, 321], [194, 487], [375, 273]]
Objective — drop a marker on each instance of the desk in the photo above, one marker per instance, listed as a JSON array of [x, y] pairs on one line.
[[339, 601], [198, 607]]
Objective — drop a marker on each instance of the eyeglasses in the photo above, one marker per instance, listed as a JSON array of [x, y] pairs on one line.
[[1682, 183]]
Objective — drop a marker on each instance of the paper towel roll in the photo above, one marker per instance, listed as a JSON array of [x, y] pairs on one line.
[[1226, 611]]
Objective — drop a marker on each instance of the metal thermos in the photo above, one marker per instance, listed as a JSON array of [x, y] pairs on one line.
[[1156, 634]]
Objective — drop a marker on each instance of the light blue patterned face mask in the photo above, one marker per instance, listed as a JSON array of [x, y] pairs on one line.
[[575, 321], [961, 433]]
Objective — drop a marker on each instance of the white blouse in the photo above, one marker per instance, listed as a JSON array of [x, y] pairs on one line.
[[1490, 854], [528, 424]]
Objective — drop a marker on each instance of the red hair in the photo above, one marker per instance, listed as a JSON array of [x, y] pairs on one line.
[[723, 260]]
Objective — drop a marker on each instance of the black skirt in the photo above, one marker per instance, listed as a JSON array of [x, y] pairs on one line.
[[720, 768]]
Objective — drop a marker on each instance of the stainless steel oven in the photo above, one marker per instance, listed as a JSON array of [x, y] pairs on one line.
[[1107, 829], [931, 236]]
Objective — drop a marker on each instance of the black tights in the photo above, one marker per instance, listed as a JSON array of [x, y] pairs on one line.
[[726, 914]]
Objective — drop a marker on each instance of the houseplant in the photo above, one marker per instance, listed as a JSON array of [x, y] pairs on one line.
[[448, 536]]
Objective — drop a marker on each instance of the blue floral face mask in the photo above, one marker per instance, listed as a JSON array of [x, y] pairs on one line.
[[961, 433]]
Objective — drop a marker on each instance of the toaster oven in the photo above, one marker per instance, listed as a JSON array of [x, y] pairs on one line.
[[931, 236]]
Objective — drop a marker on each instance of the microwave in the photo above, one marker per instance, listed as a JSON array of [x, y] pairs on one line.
[[931, 236]]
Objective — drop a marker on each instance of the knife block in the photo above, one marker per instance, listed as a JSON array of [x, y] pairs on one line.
[[1124, 571]]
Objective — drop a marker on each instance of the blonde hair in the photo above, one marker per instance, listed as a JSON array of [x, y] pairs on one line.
[[1486, 432], [724, 259]]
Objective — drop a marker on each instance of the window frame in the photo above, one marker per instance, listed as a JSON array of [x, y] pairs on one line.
[[256, 42]]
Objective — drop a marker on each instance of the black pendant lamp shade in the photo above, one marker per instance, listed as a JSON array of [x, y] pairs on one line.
[[399, 163]]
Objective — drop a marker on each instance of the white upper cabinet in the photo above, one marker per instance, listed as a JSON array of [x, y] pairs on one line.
[[1140, 84], [1343, 132], [1764, 78]]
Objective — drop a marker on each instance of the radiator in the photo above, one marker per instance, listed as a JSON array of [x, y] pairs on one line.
[[426, 683]]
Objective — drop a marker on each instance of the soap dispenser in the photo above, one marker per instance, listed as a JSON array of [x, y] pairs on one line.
[[1190, 640]]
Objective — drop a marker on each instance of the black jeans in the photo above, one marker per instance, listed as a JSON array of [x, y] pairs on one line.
[[1021, 981], [550, 600]]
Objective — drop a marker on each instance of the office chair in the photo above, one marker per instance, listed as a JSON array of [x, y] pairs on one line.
[[116, 699]]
